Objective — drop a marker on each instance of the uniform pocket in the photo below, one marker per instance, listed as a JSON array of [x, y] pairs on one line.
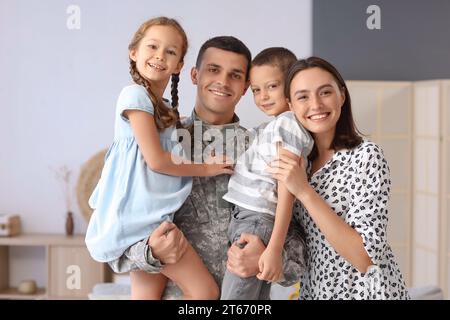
[[246, 221], [187, 214]]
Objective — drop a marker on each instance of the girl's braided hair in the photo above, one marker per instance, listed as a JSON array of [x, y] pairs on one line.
[[164, 117]]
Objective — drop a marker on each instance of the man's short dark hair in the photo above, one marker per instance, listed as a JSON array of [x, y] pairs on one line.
[[227, 43]]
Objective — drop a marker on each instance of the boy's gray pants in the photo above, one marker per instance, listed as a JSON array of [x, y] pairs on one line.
[[260, 224]]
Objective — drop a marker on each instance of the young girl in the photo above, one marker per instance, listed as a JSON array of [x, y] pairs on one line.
[[343, 193], [141, 185]]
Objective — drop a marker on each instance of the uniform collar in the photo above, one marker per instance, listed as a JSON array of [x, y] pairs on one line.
[[195, 120]]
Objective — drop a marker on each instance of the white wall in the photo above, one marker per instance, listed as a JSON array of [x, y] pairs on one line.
[[58, 87]]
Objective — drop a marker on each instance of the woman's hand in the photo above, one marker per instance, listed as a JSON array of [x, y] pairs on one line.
[[168, 243], [291, 171], [244, 254]]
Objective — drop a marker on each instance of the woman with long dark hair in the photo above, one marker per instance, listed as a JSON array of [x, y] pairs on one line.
[[343, 192]]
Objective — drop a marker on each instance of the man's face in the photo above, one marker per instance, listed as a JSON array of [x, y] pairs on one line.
[[221, 82]]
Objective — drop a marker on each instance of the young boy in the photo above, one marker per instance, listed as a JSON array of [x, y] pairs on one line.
[[262, 206]]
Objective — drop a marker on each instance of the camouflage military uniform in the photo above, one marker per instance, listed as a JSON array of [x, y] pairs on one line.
[[204, 218]]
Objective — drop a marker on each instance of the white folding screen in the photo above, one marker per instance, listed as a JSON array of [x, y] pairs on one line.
[[411, 122], [383, 111], [426, 209], [446, 186], [432, 250]]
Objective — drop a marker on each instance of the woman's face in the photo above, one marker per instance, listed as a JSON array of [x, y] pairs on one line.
[[316, 100]]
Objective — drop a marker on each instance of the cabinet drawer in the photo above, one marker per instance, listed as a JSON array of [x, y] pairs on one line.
[[72, 272]]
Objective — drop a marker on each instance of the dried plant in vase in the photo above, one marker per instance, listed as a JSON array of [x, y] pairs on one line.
[[62, 174]]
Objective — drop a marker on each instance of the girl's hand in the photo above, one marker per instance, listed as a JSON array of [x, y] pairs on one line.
[[168, 243], [270, 265], [291, 171], [217, 165]]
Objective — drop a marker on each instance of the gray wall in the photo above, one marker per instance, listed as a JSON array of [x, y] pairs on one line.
[[412, 44]]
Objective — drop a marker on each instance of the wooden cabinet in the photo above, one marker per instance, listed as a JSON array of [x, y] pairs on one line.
[[71, 272]]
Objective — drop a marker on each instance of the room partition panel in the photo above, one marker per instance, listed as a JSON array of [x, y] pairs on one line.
[[383, 111], [411, 122]]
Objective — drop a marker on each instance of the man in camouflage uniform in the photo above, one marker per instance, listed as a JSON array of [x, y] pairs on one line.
[[221, 77]]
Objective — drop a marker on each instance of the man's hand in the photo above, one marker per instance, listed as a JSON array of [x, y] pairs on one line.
[[168, 243], [243, 255]]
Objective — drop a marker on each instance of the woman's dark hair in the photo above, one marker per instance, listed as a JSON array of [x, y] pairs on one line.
[[227, 43], [346, 136]]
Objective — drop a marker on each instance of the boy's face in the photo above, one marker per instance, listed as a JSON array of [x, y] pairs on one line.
[[267, 85]]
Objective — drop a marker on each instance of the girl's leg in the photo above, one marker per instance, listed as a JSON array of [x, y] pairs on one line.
[[147, 286], [192, 277]]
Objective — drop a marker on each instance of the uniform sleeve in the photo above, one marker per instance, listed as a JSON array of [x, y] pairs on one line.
[[292, 136], [368, 213], [294, 255], [137, 257], [134, 97]]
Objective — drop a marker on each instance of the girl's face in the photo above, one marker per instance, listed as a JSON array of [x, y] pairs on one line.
[[316, 100], [158, 54]]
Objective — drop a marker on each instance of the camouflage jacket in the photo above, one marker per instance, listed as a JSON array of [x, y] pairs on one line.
[[204, 217]]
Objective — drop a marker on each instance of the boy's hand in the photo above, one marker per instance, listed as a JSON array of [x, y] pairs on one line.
[[270, 265]]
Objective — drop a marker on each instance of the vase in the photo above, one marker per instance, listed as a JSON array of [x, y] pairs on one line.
[[69, 224]]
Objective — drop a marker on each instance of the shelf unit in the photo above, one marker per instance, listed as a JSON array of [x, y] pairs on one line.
[[62, 253]]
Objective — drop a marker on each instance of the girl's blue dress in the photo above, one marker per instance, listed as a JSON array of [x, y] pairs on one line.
[[130, 200]]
